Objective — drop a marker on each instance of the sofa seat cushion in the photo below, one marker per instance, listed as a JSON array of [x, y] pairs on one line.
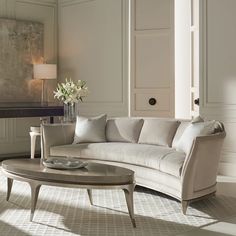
[[164, 159]]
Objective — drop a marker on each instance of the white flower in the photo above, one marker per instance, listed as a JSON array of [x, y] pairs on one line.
[[70, 92]]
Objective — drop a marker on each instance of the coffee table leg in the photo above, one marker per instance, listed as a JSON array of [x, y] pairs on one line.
[[9, 187], [34, 197], [90, 196], [130, 203]]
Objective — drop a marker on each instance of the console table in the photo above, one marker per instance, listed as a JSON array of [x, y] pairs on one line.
[[16, 110]]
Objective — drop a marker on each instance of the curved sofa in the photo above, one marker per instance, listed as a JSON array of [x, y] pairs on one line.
[[152, 153]]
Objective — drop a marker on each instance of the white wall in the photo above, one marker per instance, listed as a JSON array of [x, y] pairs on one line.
[[14, 133], [218, 72], [182, 59], [93, 46]]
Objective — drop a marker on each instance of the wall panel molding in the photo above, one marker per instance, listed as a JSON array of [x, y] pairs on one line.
[[227, 164], [3, 8], [217, 86], [149, 44], [4, 131], [152, 58], [64, 3], [47, 14], [14, 137], [151, 15], [52, 3], [109, 87], [208, 103]]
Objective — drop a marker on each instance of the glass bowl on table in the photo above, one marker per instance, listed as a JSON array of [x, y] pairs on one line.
[[64, 163]]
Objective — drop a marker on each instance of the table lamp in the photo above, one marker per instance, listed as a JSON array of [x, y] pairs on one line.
[[45, 72]]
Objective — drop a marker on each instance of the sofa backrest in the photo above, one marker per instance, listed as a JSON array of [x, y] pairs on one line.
[[157, 131], [148, 130]]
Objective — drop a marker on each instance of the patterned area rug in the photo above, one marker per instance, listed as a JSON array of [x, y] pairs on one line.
[[64, 211]]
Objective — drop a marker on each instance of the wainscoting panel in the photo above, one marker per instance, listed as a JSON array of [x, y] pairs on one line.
[[152, 58], [158, 12], [228, 159], [14, 133], [217, 64], [161, 100], [4, 131], [153, 61], [3, 8], [93, 41], [45, 13]]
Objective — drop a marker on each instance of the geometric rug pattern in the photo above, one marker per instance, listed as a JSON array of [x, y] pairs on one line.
[[67, 211]]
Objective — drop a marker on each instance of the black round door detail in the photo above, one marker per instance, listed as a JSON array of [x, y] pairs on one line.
[[152, 101]]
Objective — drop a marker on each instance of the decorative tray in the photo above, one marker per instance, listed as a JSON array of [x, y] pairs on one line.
[[62, 163]]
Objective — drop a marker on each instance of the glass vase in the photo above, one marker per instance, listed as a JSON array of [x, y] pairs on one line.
[[69, 113]]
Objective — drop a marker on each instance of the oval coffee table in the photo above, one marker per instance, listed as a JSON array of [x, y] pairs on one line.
[[93, 176]]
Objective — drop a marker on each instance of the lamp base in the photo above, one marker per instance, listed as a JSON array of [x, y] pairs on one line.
[[44, 101]]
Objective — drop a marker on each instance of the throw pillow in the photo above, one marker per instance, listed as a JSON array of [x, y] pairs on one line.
[[182, 126], [90, 129], [123, 130], [158, 132], [191, 132], [197, 119]]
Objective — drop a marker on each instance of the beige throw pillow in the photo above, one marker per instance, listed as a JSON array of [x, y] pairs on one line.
[[158, 132], [197, 119], [123, 130], [191, 132], [90, 129]]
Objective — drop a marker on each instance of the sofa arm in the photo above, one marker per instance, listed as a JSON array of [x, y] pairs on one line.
[[200, 167], [55, 134]]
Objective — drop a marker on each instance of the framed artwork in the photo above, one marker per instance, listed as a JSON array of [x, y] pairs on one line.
[[21, 45]]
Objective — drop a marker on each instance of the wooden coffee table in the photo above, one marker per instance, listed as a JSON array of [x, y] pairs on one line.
[[93, 176]]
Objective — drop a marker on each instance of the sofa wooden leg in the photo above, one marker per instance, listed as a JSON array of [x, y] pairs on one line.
[[184, 206], [89, 191]]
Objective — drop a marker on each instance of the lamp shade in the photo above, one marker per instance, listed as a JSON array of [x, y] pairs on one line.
[[45, 71]]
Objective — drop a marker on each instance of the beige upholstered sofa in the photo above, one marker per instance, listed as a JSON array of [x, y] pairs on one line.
[[164, 154]]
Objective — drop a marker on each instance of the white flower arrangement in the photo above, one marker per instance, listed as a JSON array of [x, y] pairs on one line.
[[71, 92]]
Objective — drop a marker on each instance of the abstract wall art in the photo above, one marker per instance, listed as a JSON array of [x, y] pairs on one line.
[[21, 45]]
